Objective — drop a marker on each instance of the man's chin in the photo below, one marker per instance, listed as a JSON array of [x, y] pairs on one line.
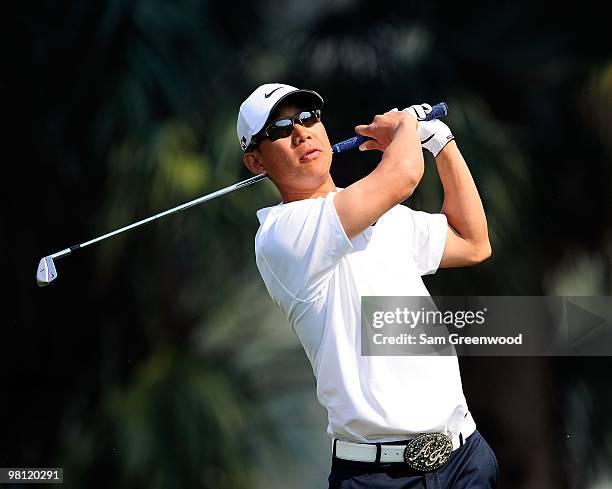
[[310, 176], [317, 171]]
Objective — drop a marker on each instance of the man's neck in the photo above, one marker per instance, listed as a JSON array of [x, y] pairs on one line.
[[291, 195]]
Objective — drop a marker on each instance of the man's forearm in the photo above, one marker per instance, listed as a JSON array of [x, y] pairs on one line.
[[462, 205]]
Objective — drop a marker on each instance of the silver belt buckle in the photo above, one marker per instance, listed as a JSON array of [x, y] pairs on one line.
[[428, 452]]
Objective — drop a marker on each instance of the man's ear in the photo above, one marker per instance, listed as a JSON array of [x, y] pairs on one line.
[[252, 160]]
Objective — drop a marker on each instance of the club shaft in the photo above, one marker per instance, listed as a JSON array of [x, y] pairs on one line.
[[186, 205]]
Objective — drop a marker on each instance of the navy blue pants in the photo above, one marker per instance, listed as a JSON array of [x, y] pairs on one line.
[[471, 466]]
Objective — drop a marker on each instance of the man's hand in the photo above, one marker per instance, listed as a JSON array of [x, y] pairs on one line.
[[383, 129], [434, 135]]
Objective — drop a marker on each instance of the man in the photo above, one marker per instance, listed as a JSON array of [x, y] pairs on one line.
[[323, 248]]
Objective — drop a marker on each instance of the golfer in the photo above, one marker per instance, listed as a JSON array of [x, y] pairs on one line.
[[395, 421]]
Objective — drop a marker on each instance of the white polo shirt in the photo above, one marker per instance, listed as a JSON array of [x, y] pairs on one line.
[[317, 276]]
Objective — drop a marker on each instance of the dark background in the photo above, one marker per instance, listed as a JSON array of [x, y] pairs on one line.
[[157, 359]]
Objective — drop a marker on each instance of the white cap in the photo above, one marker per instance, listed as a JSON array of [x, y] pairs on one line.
[[256, 109]]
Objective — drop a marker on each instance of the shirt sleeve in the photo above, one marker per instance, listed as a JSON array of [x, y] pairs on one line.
[[301, 243], [426, 237]]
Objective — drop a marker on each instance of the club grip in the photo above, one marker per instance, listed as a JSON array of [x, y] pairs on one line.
[[437, 112]]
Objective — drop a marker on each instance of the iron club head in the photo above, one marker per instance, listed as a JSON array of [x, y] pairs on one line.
[[45, 272]]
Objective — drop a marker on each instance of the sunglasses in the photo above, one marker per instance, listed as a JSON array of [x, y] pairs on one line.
[[283, 128]]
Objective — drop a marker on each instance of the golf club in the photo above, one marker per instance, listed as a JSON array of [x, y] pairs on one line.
[[46, 271]]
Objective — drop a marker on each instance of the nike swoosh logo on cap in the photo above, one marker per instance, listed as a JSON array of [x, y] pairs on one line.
[[267, 95]]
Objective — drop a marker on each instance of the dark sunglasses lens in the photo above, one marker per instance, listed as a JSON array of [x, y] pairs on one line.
[[284, 127], [309, 118], [280, 129]]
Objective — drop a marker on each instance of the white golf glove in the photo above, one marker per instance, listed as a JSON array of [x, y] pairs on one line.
[[434, 135]]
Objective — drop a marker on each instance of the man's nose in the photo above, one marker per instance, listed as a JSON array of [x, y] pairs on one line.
[[300, 132]]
